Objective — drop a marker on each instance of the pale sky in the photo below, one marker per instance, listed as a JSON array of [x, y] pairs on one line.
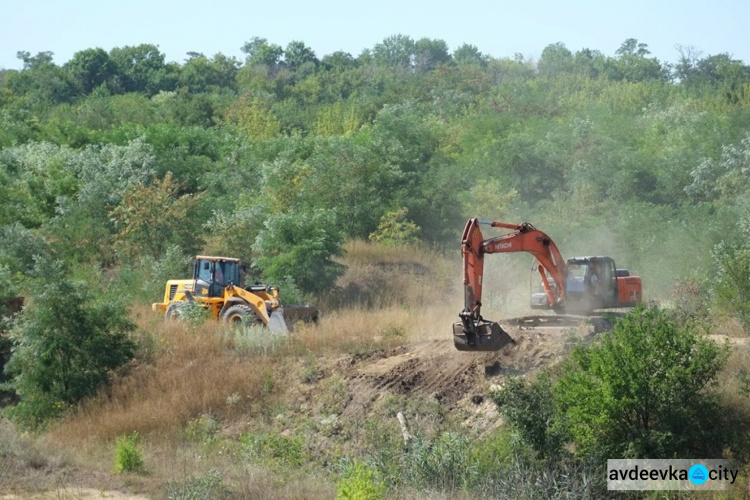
[[498, 28]]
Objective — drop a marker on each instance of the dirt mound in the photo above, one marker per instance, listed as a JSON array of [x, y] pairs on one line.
[[453, 378]]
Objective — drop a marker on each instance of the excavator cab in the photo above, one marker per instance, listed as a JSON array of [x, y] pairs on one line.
[[591, 284]]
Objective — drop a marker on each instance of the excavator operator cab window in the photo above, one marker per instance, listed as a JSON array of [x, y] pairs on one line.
[[576, 276]]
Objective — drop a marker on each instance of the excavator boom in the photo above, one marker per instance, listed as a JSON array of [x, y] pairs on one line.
[[473, 333]]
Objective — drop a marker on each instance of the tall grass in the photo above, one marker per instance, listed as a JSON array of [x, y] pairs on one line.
[[379, 276], [192, 374]]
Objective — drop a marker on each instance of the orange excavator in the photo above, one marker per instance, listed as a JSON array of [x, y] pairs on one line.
[[580, 285]]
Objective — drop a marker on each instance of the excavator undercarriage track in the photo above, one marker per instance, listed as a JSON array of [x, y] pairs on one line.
[[546, 320], [490, 335]]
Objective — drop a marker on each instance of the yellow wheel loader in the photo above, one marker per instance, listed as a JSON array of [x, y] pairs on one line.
[[216, 287]]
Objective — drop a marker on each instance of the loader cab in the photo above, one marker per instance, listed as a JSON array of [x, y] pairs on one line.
[[212, 274]]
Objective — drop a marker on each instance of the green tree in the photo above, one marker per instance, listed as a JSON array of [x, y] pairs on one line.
[[339, 61], [301, 245], [142, 68], [150, 218], [41, 82], [468, 54], [33, 62], [259, 51], [644, 391], [396, 229], [555, 59], [396, 51], [429, 54], [66, 345], [201, 74], [633, 65], [91, 68], [297, 54]]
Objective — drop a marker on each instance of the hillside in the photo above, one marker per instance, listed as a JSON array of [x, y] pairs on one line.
[[346, 182], [242, 413]]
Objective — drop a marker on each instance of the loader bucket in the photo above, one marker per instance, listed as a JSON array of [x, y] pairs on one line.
[[277, 323], [489, 337], [295, 313]]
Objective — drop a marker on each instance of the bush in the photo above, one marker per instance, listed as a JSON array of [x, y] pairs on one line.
[[65, 346], [529, 408], [731, 284], [360, 482], [274, 450], [207, 487], [301, 245], [202, 429], [128, 456], [396, 229], [643, 393]]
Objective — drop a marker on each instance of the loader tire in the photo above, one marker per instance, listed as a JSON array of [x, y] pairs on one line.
[[175, 311], [241, 315]]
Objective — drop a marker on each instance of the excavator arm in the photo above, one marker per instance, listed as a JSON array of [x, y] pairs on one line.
[[473, 333]]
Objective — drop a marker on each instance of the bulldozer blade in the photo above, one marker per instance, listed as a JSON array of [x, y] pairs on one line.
[[489, 337], [277, 323]]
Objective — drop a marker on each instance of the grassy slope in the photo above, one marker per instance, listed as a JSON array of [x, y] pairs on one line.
[[252, 416]]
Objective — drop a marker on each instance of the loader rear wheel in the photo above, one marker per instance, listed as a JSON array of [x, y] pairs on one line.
[[241, 315]]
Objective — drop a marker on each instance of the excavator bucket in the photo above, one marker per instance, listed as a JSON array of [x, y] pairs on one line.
[[277, 323], [487, 336]]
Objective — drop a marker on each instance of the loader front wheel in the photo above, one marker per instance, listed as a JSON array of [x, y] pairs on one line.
[[241, 315], [175, 311]]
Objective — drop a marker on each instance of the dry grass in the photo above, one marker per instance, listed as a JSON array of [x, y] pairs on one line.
[[379, 276], [360, 329], [388, 297], [187, 372], [192, 374], [361, 252]]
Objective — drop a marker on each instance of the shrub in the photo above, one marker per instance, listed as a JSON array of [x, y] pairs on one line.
[[530, 409], [202, 429], [274, 450], [207, 487], [360, 482], [65, 346], [731, 284], [396, 229], [301, 245], [128, 456], [643, 392]]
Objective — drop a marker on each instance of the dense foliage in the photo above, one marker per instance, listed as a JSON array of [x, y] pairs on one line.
[[625, 155], [121, 165], [644, 392], [66, 344]]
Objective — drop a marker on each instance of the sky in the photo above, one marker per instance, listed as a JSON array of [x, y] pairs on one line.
[[498, 28]]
